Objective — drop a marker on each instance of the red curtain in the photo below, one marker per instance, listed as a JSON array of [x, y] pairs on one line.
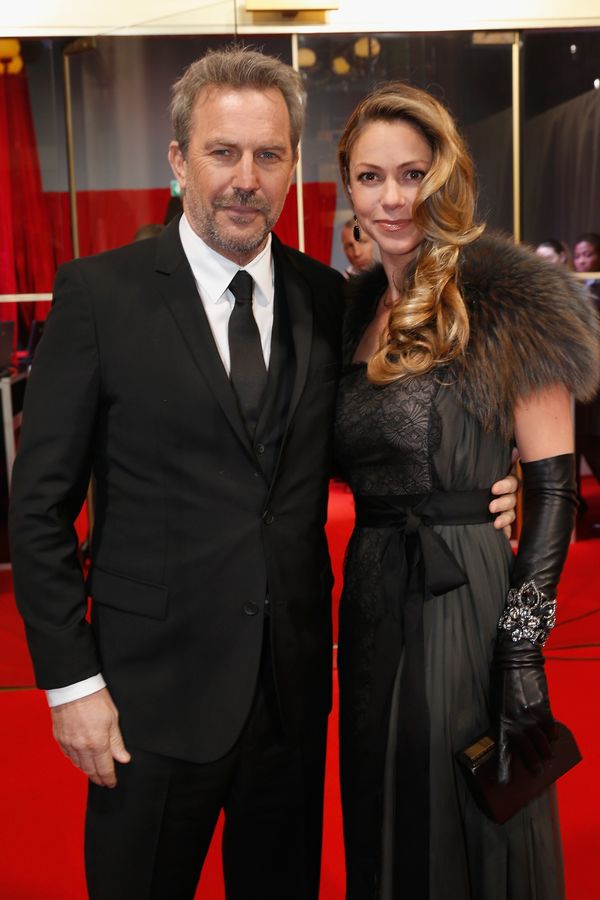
[[109, 219], [8, 279], [105, 219], [33, 235], [26, 258], [319, 214]]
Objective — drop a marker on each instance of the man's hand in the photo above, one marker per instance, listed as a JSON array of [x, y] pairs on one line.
[[504, 507], [87, 732]]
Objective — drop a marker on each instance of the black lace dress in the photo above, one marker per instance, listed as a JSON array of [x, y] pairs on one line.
[[414, 438]]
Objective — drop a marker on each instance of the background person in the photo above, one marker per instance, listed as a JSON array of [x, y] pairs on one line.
[[151, 229], [358, 249], [586, 257], [456, 347], [554, 251]]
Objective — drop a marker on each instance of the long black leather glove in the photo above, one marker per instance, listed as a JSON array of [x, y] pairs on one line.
[[519, 689]]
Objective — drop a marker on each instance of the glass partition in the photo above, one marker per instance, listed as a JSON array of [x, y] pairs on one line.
[[121, 132], [119, 128], [561, 177], [116, 115], [472, 78], [32, 170]]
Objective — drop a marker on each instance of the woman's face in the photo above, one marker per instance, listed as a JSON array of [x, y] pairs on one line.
[[585, 257], [386, 168]]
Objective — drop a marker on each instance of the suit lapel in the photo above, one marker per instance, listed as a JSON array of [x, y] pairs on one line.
[[299, 303], [296, 293], [177, 285]]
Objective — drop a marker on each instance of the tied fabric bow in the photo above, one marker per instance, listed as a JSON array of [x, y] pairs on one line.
[[411, 543]]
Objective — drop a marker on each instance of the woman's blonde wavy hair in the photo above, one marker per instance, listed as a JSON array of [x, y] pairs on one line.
[[430, 326]]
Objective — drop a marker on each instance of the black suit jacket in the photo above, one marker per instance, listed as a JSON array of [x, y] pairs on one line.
[[190, 530]]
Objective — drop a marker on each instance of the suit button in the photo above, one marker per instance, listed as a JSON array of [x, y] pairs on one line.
[[260, 448], [250, 608], [268, 517]]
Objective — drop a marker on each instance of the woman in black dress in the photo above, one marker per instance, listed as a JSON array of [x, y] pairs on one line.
[[458, 347]]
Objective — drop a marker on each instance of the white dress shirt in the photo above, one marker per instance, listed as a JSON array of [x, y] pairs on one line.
[[212, 273]]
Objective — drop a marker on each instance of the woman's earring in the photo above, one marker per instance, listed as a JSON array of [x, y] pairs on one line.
[[356, 230]]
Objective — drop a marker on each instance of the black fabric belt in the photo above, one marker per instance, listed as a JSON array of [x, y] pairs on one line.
[[416, 564]]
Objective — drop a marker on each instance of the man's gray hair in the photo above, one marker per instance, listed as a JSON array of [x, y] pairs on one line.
[[236, 67]]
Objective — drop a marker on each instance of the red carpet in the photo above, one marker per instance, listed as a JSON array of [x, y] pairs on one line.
[[42, 803], [42, 797], [15, 666]]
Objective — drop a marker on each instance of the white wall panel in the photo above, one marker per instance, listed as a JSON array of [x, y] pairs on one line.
[[59, 17]]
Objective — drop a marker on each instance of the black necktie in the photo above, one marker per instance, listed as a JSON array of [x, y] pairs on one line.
[[248, 372]]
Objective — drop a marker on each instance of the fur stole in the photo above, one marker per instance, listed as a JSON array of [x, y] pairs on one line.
[[531, 325]]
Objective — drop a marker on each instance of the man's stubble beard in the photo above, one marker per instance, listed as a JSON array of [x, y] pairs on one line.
[[204, 223]]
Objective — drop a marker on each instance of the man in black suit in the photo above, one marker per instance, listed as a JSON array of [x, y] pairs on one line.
[[208, 434]]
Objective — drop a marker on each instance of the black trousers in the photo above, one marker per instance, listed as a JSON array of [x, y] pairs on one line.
[[147, 838]]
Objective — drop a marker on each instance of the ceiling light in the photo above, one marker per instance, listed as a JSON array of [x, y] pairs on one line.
[[340, 65], [367, 47], [306, 58]]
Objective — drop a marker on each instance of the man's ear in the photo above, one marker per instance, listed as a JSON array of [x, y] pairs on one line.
[[177, 163]]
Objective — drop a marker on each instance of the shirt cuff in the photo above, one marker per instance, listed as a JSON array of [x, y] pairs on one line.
[[76, 691]]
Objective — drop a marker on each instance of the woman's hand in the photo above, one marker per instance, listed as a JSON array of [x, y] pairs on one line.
[[521, 706]]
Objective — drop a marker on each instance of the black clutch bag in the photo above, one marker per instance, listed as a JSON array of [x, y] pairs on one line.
[[501, 801]]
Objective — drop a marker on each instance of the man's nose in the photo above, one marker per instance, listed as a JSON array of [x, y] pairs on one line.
[[393, 194], [246, 173]]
